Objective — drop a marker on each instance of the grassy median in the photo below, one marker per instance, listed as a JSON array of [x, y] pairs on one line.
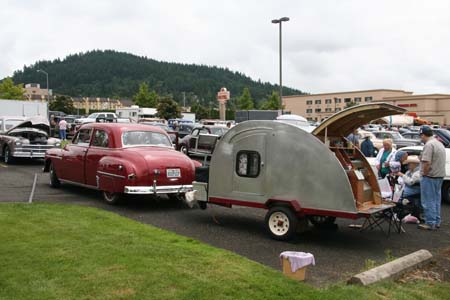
[[50, 251]]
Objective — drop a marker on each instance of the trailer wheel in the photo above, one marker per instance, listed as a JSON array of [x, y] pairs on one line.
[[322, 221], [281, 223]]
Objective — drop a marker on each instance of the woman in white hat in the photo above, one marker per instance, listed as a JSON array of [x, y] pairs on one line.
[[411, 180]]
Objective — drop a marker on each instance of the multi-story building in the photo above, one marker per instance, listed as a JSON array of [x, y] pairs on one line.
[[33, 91], [97, 103], [316, 107]]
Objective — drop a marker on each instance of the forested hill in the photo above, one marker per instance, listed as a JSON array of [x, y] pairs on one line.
[[118, 74]]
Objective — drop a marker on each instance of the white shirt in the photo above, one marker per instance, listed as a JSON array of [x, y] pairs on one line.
[[62, 125]]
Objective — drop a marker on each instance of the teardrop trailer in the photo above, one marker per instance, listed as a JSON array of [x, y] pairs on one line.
[[295, 175]]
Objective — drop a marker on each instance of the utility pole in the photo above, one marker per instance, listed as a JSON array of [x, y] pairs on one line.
[[48, 91]]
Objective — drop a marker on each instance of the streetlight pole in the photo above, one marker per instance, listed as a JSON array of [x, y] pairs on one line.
[[48, 91], [280, 22]]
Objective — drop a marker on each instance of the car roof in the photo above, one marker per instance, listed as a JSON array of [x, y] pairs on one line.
[[123, 127]]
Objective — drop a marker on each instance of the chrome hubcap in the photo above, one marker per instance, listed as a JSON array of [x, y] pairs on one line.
[[278, 223]]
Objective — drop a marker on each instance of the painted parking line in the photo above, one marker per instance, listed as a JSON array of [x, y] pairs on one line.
[[4, 166]]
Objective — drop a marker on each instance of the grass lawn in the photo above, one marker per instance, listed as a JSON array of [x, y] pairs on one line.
[[50, 251]]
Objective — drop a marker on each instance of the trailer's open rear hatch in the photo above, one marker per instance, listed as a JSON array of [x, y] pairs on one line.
[[344, 122], [333, 132]]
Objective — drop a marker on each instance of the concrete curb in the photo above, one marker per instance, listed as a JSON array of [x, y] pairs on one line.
[[392, 269]]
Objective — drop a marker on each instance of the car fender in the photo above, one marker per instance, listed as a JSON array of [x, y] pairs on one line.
[[114, 173]]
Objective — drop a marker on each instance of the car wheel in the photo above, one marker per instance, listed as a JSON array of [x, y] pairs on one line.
[[112, 198], [281, 223], [7, 157], [54, 180], [322, 221], [446, 192], [183, 149]]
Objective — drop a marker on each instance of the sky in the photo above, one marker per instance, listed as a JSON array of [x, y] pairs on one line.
[[328, 46]]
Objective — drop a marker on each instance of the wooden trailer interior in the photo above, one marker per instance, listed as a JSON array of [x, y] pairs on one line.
[[363, 180]]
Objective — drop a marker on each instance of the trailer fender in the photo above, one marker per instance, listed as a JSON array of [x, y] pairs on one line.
[[293, 204]]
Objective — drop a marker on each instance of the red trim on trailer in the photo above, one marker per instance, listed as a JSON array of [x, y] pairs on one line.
[[293, 203], [230, 202]]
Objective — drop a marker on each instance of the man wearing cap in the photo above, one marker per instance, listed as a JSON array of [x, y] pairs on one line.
[[433, 172]]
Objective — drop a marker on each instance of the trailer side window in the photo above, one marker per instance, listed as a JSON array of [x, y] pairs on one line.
[[247, 163]]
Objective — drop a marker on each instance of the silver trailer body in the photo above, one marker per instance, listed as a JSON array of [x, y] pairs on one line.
[[293, 166], [266, 163]]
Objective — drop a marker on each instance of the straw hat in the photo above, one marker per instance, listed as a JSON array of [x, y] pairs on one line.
[[412, 159]]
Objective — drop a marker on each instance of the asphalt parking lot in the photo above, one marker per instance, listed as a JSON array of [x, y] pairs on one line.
[[339, 253]]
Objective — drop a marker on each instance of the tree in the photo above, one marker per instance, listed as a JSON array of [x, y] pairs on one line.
[[62, 103], [273, 103], [245, 101], [145, 98], [200, 111], [168, 108], [10, 91]]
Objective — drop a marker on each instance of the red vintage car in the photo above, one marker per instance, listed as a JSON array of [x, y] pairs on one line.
[[120, 159]]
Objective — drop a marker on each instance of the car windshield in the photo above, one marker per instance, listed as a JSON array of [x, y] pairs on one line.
[[397, 136], [218, 131], [145, 138], [10, 123], [93, 116]]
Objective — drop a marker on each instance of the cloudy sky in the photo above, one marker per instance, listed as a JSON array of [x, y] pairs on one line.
[[327, 45]]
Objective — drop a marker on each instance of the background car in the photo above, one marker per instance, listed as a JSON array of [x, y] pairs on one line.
[[397, 138], [26, 139], [173, 134], [189, 145], [443, 135], [121, 159], [417, 150]]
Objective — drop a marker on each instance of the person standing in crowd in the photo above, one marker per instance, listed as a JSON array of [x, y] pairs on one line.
[[384, 157], [228, 124], [354, 138], [367, 147], [62, 129], [433, 172]]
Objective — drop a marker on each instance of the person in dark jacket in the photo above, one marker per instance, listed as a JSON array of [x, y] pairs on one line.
[[367, 147]]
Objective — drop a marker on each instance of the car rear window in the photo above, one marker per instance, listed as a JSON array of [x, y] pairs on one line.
[[145, 138]]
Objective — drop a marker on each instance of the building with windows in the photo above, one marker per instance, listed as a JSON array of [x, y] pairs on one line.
[[317, 107], [97, 103], [33, 91]]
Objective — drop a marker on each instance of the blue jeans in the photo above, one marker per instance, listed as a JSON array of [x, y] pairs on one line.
[[62, 134], [431, 199]]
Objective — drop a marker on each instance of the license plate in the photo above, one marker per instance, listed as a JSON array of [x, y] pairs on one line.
[[171, 173]]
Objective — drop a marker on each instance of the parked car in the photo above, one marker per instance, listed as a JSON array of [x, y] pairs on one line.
[[173, 134], [6, 123], [121, 159], [96, 116], [377, 143], [27, 138], [190, 145], [397, 138], [185, 129], [443, 135], [279, 167], [417, 150]]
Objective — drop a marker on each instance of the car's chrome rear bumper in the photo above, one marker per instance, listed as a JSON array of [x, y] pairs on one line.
[[163, 189]]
